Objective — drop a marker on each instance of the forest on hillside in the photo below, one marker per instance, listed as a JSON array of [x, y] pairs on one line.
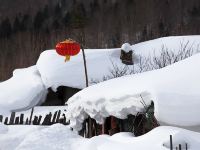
[[29, 27]]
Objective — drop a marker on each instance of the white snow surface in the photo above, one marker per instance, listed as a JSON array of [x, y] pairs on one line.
[[55, 72], [27, 87], [24, 90], [72, 73], [59, 137], [173, 89]]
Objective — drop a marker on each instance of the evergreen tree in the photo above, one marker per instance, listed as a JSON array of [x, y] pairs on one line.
[[5, 28], [55, 24], [38, 20], [66, 19], [58, 10], [16, 24], [25, 23]]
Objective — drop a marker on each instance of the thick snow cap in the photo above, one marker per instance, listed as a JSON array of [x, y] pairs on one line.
[[126, 47], [173, 89]]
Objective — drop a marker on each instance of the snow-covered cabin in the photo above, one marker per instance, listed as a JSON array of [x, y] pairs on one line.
[[174, 90]]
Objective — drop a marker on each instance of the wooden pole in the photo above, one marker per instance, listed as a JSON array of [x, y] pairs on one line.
[[180, 147], [86, 81], [171, 144], [31, 116], [85, 66]]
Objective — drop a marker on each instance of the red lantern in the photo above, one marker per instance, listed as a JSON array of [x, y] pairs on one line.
[[68, 48]]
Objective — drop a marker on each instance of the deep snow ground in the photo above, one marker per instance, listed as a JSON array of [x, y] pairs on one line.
[[59, 137]]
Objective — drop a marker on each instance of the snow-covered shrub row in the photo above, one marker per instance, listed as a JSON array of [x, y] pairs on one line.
[[167, 56]]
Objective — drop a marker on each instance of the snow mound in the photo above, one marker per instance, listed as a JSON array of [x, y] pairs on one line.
[[24, 90], [60, 137], [126, 47], [172, 43], [55, 137], [173, 89], [153, 140], [72, 73]]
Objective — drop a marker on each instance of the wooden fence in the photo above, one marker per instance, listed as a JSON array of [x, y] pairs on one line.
[[48, 119]]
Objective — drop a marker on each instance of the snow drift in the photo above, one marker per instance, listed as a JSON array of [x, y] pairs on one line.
[[72, 73], [173, 89], [60, 137], [24, 90]]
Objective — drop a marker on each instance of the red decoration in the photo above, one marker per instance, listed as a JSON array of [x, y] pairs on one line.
[[68, 48]]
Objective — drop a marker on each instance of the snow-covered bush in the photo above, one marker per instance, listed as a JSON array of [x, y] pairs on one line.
[[166, 57], [156, 61]]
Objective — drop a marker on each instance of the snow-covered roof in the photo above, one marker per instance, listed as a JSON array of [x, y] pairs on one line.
[[24, 90], [55, 72], [173, 89]]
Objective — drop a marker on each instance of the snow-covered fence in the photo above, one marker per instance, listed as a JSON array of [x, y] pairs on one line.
[[177, 145], [48, 119]]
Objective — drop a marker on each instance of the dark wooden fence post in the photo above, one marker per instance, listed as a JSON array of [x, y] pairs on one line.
[[171, 143], [16, 120], [6, 121], [85, 66], [179, 147], [89, 127], [21, 120], [58, 116], [54, 117], [35, 120], [12, 118], [39, 119], [31, 116], [26, 122], [1, 118]]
